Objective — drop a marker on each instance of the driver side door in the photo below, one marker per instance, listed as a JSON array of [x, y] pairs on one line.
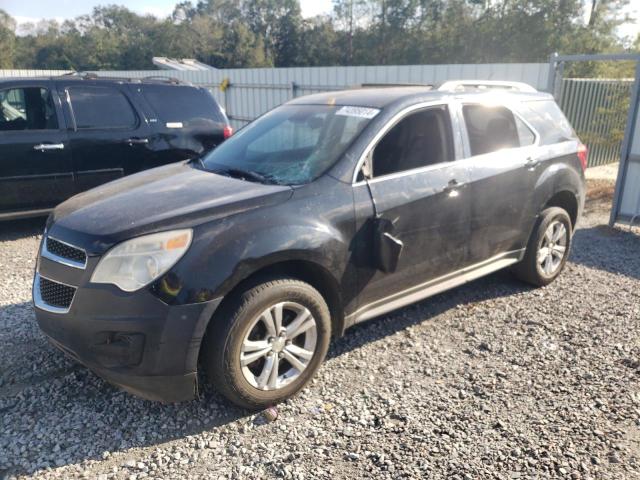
[[417, 187]]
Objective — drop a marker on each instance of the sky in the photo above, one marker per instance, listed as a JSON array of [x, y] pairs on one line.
[[34, 10]]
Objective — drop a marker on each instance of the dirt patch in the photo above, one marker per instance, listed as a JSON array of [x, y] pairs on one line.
[[600, 190]]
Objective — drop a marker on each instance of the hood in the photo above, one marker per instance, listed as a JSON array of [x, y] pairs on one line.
[[164, 198]]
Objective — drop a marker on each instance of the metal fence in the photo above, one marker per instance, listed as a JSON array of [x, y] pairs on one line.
[[597, 109]]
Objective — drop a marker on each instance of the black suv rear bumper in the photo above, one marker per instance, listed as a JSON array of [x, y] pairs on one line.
[[139, 343]]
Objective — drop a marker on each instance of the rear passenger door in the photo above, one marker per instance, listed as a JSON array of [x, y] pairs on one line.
[[35, 162], [108, 136], [501, 149]]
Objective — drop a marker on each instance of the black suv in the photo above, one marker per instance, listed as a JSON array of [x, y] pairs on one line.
[[63, 135], [327, 211]]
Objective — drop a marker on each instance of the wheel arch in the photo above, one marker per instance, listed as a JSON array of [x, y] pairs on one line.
[[308, 271], [566, 200]]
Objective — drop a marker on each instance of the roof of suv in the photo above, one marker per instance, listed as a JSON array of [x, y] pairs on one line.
[[157, 80], [381, 97]]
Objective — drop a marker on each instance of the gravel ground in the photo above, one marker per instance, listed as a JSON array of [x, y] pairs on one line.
[[490, 380]]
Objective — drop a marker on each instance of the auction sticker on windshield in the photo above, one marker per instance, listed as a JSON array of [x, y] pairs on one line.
[[362, 112]]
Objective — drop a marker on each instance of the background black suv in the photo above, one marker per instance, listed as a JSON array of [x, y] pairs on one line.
[[60, 136]]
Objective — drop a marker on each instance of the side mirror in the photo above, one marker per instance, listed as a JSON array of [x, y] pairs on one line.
[[386, 248]]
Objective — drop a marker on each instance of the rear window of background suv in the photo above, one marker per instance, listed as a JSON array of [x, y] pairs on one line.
[[547, 118], [182, 104]]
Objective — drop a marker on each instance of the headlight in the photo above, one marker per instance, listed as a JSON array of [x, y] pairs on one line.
[[137, 262]]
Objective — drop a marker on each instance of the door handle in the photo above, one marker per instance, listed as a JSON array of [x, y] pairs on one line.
[[49, 146], [531, 164], [452, 187], [137, 141]]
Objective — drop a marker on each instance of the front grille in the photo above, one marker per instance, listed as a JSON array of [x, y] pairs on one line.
[[66, 251], [56, 294]]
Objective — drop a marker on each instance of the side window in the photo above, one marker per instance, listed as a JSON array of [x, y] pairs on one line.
[[547, 118], [100, 107], [421, 139], [490, 128], [29, 108], [525, 135]]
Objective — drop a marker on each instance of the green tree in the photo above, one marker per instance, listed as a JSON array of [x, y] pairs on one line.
[[7, 40], [244, 33]]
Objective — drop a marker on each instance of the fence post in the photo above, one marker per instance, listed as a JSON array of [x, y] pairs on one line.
[[557, 88], [294, 89], [551, 80]]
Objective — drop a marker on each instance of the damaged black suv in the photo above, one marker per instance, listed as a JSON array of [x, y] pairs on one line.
[[327, 211]]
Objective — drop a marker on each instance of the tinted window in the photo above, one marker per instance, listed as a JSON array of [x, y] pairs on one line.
[[29, 108], [182, 104], [490, 128], [101, 107], [419, 140], [292, 144], [547, 118]]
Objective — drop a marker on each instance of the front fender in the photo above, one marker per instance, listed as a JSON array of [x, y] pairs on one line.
[[234, 248], [316, 244]]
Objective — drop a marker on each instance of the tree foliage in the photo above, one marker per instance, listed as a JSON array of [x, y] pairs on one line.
[[257, 33]]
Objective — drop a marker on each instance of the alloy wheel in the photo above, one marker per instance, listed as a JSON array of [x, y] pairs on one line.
[[278, 346], [553, 248]]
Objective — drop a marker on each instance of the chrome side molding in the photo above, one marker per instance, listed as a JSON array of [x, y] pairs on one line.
[[435, 286]]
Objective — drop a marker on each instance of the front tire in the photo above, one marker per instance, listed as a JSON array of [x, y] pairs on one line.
[[548, 248], [268, 342]]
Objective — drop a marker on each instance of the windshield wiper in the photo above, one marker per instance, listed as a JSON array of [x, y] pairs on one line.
[[245, 174]]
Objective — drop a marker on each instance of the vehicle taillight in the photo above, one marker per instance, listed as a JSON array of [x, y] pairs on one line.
[[227, 132], [583, 153]]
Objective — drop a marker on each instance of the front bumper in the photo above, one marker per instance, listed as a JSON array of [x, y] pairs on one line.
[[161, 388], [133, 340]]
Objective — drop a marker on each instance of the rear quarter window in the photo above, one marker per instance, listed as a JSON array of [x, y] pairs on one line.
[[186, 105], [547, 118]]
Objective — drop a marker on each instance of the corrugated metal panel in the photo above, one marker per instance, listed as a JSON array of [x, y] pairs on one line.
[[628, 209], [597, 109], [254, 91]]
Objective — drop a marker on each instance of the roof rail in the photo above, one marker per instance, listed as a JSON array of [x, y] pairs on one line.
[[152, 78], [389, 85], [481, 85], [83, 74], [161, 78]]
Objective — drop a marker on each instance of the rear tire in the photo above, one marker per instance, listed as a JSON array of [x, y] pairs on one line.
[[548, 248], [267, 342]]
